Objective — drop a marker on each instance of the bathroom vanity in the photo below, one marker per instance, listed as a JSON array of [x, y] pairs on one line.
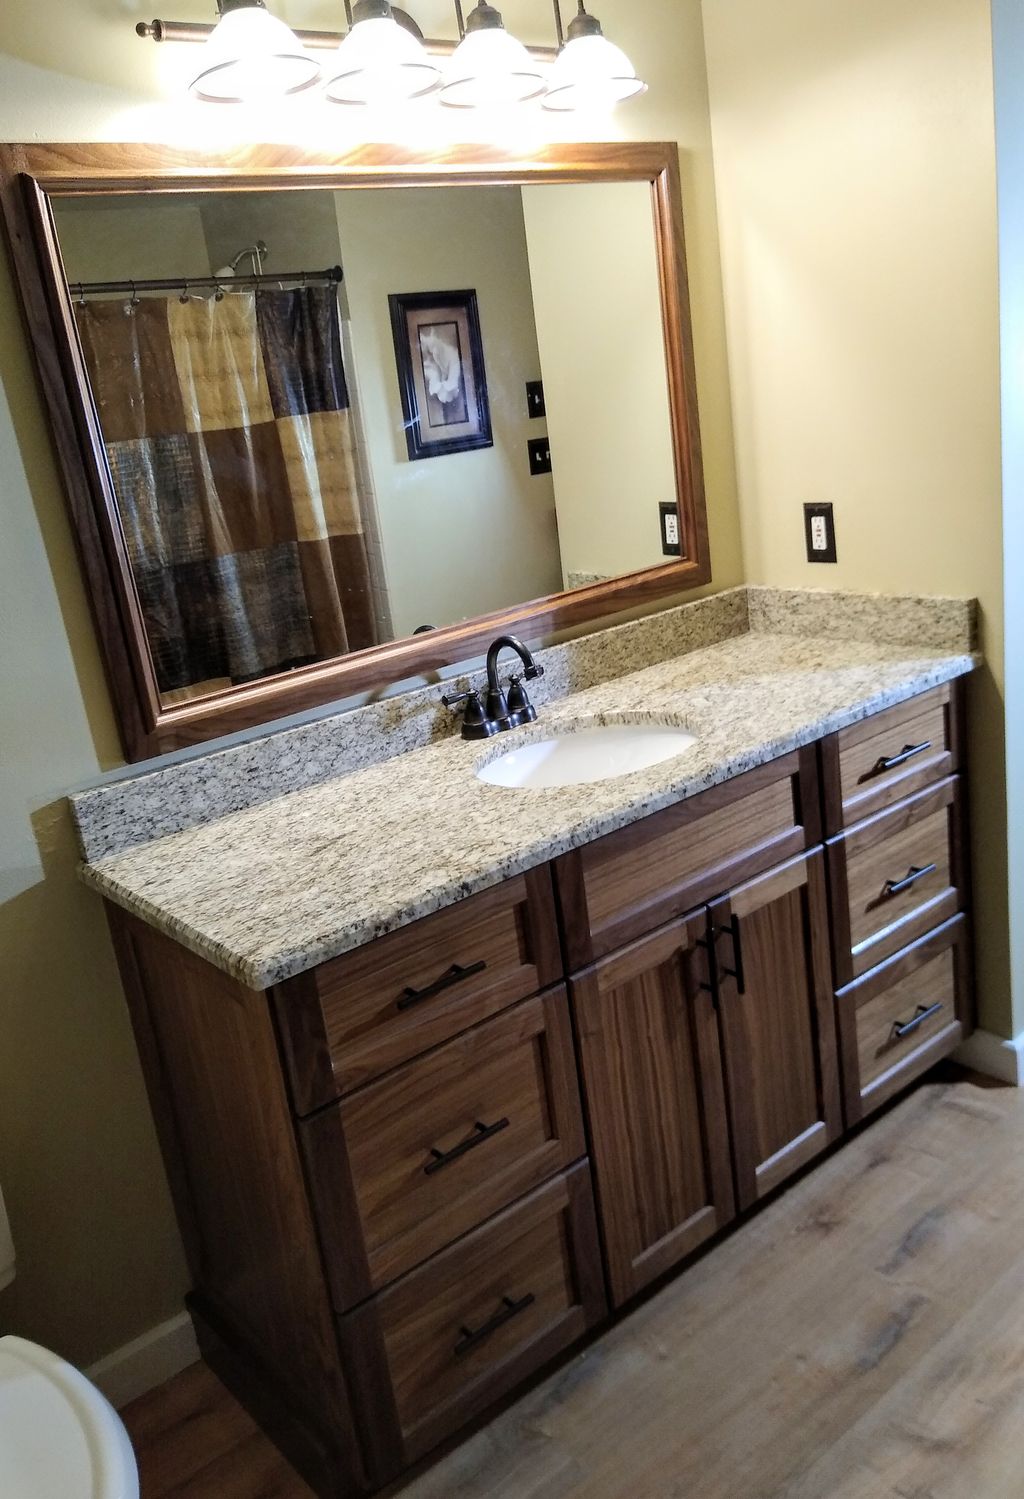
[[449, 1065], [411, 1174]]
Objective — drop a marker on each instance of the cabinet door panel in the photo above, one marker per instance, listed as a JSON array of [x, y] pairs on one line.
[[652, 1075], [778, 1026]]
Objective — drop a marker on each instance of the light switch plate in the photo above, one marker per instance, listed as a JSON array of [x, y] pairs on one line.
[[820, 533], [540, 455], [669, 517]]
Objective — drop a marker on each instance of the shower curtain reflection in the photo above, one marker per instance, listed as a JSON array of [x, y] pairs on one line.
[[229, 437]]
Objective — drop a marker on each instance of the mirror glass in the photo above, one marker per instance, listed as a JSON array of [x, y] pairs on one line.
[[396, 408]]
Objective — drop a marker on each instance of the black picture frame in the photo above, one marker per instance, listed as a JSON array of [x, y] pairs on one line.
[[441, 374]]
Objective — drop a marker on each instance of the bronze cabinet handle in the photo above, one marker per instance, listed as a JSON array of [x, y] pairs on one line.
[[481, 1132], [453, 975], [903, 1028], [471, 1337], [913, 874], [890, 762]]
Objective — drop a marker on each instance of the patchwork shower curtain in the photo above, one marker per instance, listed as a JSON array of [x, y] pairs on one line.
[[227, 430]]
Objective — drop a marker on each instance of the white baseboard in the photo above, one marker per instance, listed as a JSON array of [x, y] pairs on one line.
[[147, 1361], [995, 1056]]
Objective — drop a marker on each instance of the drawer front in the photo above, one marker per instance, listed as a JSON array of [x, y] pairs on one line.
[[626, 884], [447, 1340], [895, 877], [903, 1017], [446, 1141], [891, 755], [355, 1018]]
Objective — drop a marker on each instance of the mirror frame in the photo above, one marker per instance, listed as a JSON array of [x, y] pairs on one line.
[[31, 175]]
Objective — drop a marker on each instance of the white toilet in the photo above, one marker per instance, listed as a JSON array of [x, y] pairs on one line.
[[59, 1437]]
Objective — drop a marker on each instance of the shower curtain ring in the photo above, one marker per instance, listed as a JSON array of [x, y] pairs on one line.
[[183, 299], [218, 295], [135, 295]]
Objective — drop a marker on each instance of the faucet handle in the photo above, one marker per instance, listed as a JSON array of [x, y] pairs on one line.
[[520, 709], [474, 714]]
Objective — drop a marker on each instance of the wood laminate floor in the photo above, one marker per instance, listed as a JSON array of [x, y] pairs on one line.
[[862, 1338]]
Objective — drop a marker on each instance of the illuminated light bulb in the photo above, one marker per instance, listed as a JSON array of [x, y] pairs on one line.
[[379, 61], [251, 56], [489, 66], [590, 72]]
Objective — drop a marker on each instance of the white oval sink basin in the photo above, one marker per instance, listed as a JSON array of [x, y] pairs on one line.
[[586, 755]]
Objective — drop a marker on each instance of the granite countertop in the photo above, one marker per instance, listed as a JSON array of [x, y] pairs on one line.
[[270, 890]]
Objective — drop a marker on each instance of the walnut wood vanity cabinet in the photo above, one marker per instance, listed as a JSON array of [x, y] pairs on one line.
[[411, 1177]]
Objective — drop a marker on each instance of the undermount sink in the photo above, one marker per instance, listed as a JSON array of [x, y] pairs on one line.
[[586, 755]]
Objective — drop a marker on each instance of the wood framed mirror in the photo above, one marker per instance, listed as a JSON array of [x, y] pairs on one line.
[[271, 539]]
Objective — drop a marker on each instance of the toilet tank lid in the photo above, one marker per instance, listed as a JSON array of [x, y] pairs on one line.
[[58, 1436]]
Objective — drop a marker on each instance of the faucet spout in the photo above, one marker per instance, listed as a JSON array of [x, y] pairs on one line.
[[512, 643]]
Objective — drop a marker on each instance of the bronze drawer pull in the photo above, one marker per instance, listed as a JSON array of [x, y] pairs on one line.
[[471, 1337], [914, 873], [903, 1028], [890, 762], [453, 975], [481, 1132]]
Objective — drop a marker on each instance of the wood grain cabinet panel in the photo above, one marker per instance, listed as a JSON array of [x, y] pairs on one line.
[[889, 756], [412, 1161], [649, 1051], [448, 1339], [621, 886], [898, 1020], [894, 877], [778, 1028], [358, 1016]]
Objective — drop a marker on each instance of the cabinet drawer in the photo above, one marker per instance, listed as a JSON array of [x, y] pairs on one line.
[[626, 884], [891, 755], [447, 1340], [429, 1152], [895, 877], [898, 1021], [354, 1018]]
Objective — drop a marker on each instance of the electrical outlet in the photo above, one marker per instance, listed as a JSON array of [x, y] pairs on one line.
[[535, 398], [540, 455], [668, 515], [820, 533]]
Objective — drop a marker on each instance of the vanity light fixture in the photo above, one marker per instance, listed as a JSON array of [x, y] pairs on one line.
[[383, 58], [250, 56], [489, 66], [590, 71], [379, 61]]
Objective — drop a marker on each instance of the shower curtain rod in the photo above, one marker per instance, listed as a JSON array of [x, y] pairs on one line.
[[332, 277]]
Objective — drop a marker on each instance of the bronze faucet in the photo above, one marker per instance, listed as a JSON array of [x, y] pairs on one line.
[[500, 710]]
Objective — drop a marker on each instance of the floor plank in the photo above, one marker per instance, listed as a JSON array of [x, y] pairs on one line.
[[862, 1338]]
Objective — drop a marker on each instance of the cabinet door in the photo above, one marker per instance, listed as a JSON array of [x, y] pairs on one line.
[[652, 1074], [778, 1024]]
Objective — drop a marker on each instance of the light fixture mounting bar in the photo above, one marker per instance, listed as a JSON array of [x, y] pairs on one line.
[[198, 31]]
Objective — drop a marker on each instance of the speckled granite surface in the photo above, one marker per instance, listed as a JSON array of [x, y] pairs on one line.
[[120, 814], [277, 887]]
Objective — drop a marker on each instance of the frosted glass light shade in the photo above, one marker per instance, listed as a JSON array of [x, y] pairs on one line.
[[379, 62], [590, 72], [251, 55], [489, 67]]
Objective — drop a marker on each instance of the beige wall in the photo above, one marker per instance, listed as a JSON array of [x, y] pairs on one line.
[[99, 1257], [856, 196], [484, 522], [594, 268]]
